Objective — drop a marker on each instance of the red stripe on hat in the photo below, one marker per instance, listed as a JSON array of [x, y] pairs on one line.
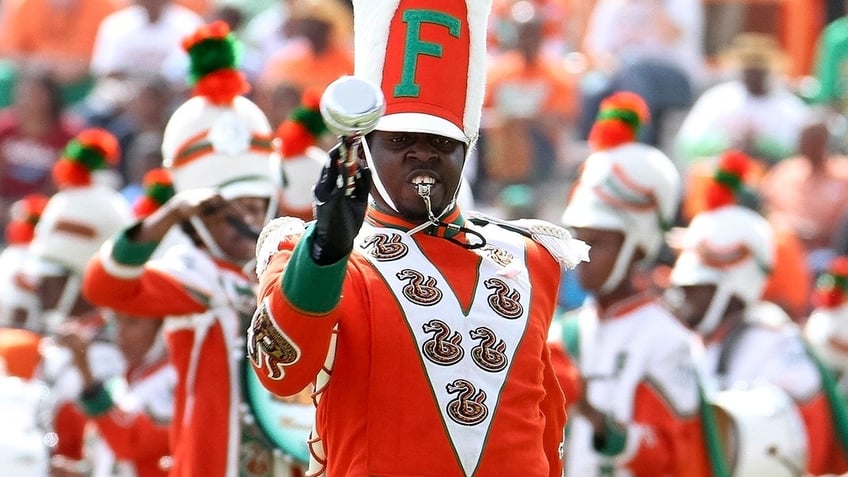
[[427, 58], [71, 227]]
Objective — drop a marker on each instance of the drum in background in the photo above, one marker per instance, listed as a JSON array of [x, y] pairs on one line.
[[285, 422], [761, 430]]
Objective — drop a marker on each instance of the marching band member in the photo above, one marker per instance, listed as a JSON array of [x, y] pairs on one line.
[[75, 222], [637, 411], [422, 328], [302, 155], [717, 285], [132, 413], [218, 148], [19, 310], [827, 327]]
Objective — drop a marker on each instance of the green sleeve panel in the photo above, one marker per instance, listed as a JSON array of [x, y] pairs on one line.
[[313, 288], [128, 252], [715, 450], [709, 145], [96, 401], [831, 58], [613, 440]]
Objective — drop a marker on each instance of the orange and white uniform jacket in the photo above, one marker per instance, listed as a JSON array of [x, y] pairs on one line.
[[637, 367], [204, 301], [775, 352], [132, 417], [429, 359]]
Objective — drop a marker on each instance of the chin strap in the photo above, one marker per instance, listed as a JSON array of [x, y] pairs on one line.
[[715, 311], [375, 177], [621, 265]]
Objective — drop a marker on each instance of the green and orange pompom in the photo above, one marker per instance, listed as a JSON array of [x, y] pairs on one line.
[[728, 181], [214, 55], [24, 214], [91, 150], [303, 127], [158, 189], [619, 120], [832, 286]]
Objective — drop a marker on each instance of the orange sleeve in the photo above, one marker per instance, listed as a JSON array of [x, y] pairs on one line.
[[69, 424], [675, 439], [825, 455], [553, 406], [152, 294], [567, 373], [286, 370], [133, 436], [790, 281]]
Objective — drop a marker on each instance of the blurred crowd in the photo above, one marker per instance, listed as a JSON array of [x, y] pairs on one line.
[[766, 79]]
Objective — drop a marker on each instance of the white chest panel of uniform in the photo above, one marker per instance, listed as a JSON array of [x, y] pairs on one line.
[[775, 355], [466, 354], [617, 355], [646, 344]]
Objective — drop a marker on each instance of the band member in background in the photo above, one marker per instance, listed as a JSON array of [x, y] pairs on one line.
[[131, 413], [717, 283], [73, 225], [636, 413], [218, 148]]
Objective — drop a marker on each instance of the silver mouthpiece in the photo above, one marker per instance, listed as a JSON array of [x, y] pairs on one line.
[[351, 106], [423, 184]]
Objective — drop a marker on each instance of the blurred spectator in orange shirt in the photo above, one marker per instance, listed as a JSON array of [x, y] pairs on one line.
[[57, 34], [529, 104], [200, 7], [319, 50]]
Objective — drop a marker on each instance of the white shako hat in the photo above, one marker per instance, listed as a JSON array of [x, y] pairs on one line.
[[218, 138], [726, 245], [84, 213], [429, 59], [632, 188]]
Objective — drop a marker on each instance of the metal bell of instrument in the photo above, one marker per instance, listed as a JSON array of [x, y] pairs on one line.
[[351, 106]]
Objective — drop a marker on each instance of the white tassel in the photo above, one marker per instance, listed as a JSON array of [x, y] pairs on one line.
[[274, 232], [567, 250]]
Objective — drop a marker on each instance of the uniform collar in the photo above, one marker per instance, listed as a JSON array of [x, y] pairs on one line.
[[449, 227]]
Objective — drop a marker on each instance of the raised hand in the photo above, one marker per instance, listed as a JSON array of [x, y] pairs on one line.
[[339, 209]]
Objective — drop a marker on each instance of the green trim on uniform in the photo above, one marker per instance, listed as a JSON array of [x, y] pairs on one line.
[[312, 288], [571, 335], [715, 450], [838, 406], [613, 440], [96, 401], [129, 252]]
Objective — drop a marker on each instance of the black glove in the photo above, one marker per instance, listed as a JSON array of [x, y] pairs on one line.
[[338, 217]]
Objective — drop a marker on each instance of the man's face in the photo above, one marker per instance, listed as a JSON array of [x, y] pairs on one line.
[[400, 157], [605, 247], [689, 303], [235, 243]]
